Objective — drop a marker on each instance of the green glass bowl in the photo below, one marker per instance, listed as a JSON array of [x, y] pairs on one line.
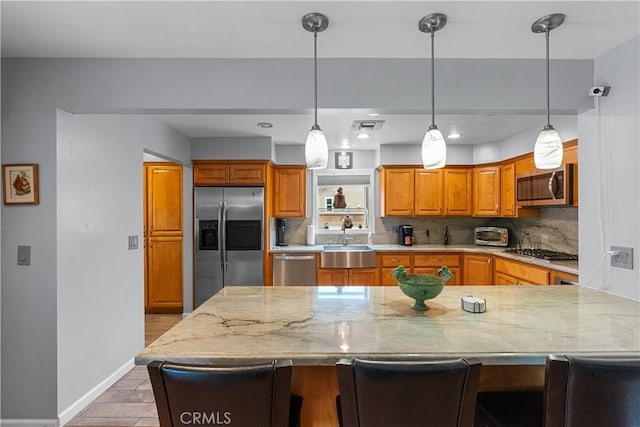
[[421, 287]]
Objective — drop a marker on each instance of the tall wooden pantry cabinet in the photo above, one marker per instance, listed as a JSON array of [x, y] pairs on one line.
[[163, 236]]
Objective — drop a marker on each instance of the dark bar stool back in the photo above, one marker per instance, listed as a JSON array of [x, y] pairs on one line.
[[578, 392], [407, 394], [243, 396], [592, 392]]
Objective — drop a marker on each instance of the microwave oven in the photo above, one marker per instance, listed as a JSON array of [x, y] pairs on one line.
[[546, 187], [491, 236]]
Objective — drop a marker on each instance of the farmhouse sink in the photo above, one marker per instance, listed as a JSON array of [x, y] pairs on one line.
[[349, 248], [346, 256]]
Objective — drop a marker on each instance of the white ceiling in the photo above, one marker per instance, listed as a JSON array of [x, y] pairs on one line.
[[358, 29]]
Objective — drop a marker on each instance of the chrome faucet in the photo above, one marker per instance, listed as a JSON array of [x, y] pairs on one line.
[[521, 240], [344, 239]]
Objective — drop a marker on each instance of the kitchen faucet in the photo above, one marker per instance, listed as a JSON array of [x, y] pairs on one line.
[[521, 240], [344, 238]]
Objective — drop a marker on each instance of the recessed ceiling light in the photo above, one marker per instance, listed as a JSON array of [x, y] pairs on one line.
[[363, 135], [373, 114], [265, 125], [344, 143], [454, 135]]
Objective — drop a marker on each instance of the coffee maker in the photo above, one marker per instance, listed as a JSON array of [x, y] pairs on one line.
[[405, 235], [281, 225]]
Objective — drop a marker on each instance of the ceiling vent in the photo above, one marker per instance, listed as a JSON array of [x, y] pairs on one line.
[[367, 125]]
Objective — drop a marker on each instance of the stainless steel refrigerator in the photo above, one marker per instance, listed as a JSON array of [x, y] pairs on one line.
[[229, 230]]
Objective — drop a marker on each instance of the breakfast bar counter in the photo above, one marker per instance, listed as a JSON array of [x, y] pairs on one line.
[[316, 326]]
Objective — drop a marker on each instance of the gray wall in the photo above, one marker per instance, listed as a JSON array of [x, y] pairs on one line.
[[99, 187], [609, 177], [258, 148], [33, 89]]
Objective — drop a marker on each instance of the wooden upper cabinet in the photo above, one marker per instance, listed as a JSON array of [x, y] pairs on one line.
[[428, 192], [210, 173], [228, 172], [164, 199], [508, 190], [457, 191], [289, 191], [246, 173], [521, 165], [486, 191], [570, 155], [398, 186]]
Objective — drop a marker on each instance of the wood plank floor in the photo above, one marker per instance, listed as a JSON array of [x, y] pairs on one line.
[[129, 402]]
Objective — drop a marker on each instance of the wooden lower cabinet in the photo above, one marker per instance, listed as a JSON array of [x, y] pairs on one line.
[[524, 274], [347, 276], [467, 269], [164, 270], [504, 279], [455, 271], [430, 263], [478, 270], [387, 262]]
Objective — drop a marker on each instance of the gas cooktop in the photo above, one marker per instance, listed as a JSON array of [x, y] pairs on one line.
[[544, 254]]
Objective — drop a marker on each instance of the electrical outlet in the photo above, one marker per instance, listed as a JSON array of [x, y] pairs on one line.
[[624, 257], [133, 242]]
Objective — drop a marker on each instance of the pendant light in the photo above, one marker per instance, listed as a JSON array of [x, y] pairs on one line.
[[434, 150], [547, 152], [316, 152]]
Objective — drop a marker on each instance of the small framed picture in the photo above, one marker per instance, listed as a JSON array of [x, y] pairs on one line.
[[344, 160], [20, 184]]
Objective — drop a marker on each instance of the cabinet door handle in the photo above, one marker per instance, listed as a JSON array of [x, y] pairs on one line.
[[497, 206], [489, 261]]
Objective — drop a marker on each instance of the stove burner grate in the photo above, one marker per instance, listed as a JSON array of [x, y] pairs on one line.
[[544, 254]]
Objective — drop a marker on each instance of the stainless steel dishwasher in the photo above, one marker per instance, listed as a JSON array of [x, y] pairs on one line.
[[294, 269]]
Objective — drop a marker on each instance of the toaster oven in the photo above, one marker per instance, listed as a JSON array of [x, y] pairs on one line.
[[491, 236]]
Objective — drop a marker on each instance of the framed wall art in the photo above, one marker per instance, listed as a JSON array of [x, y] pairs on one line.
[[20, 184], [344, 160]]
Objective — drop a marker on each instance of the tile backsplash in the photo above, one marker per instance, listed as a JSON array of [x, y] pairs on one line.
[[556, 229]]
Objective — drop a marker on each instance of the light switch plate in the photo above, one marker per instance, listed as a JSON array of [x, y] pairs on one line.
[[24, 255], [623, 259], [133, 242]]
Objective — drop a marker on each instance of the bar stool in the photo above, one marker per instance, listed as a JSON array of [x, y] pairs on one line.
[[578, 392], [407, 393], [243, 396]]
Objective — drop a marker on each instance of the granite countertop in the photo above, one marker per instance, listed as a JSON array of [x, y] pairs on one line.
[[565, 266], [316, 326]]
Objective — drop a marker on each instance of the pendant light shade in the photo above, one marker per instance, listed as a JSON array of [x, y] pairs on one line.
[[434, 150], [316, 151], [547, 152]]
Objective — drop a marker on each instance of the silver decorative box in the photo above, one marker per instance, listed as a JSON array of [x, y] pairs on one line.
[[473, 304]]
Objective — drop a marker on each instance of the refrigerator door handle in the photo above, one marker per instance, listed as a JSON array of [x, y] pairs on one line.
[[221, 237], [224, 256]]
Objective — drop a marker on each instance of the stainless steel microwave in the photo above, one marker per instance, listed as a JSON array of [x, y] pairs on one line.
[[546, 187], [491, 236]]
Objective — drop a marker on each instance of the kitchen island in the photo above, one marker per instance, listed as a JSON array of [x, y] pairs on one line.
[[316, 326]]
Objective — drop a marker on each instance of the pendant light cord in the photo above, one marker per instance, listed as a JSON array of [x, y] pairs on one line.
[[315, 76], [433, 84], [547, 38]]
